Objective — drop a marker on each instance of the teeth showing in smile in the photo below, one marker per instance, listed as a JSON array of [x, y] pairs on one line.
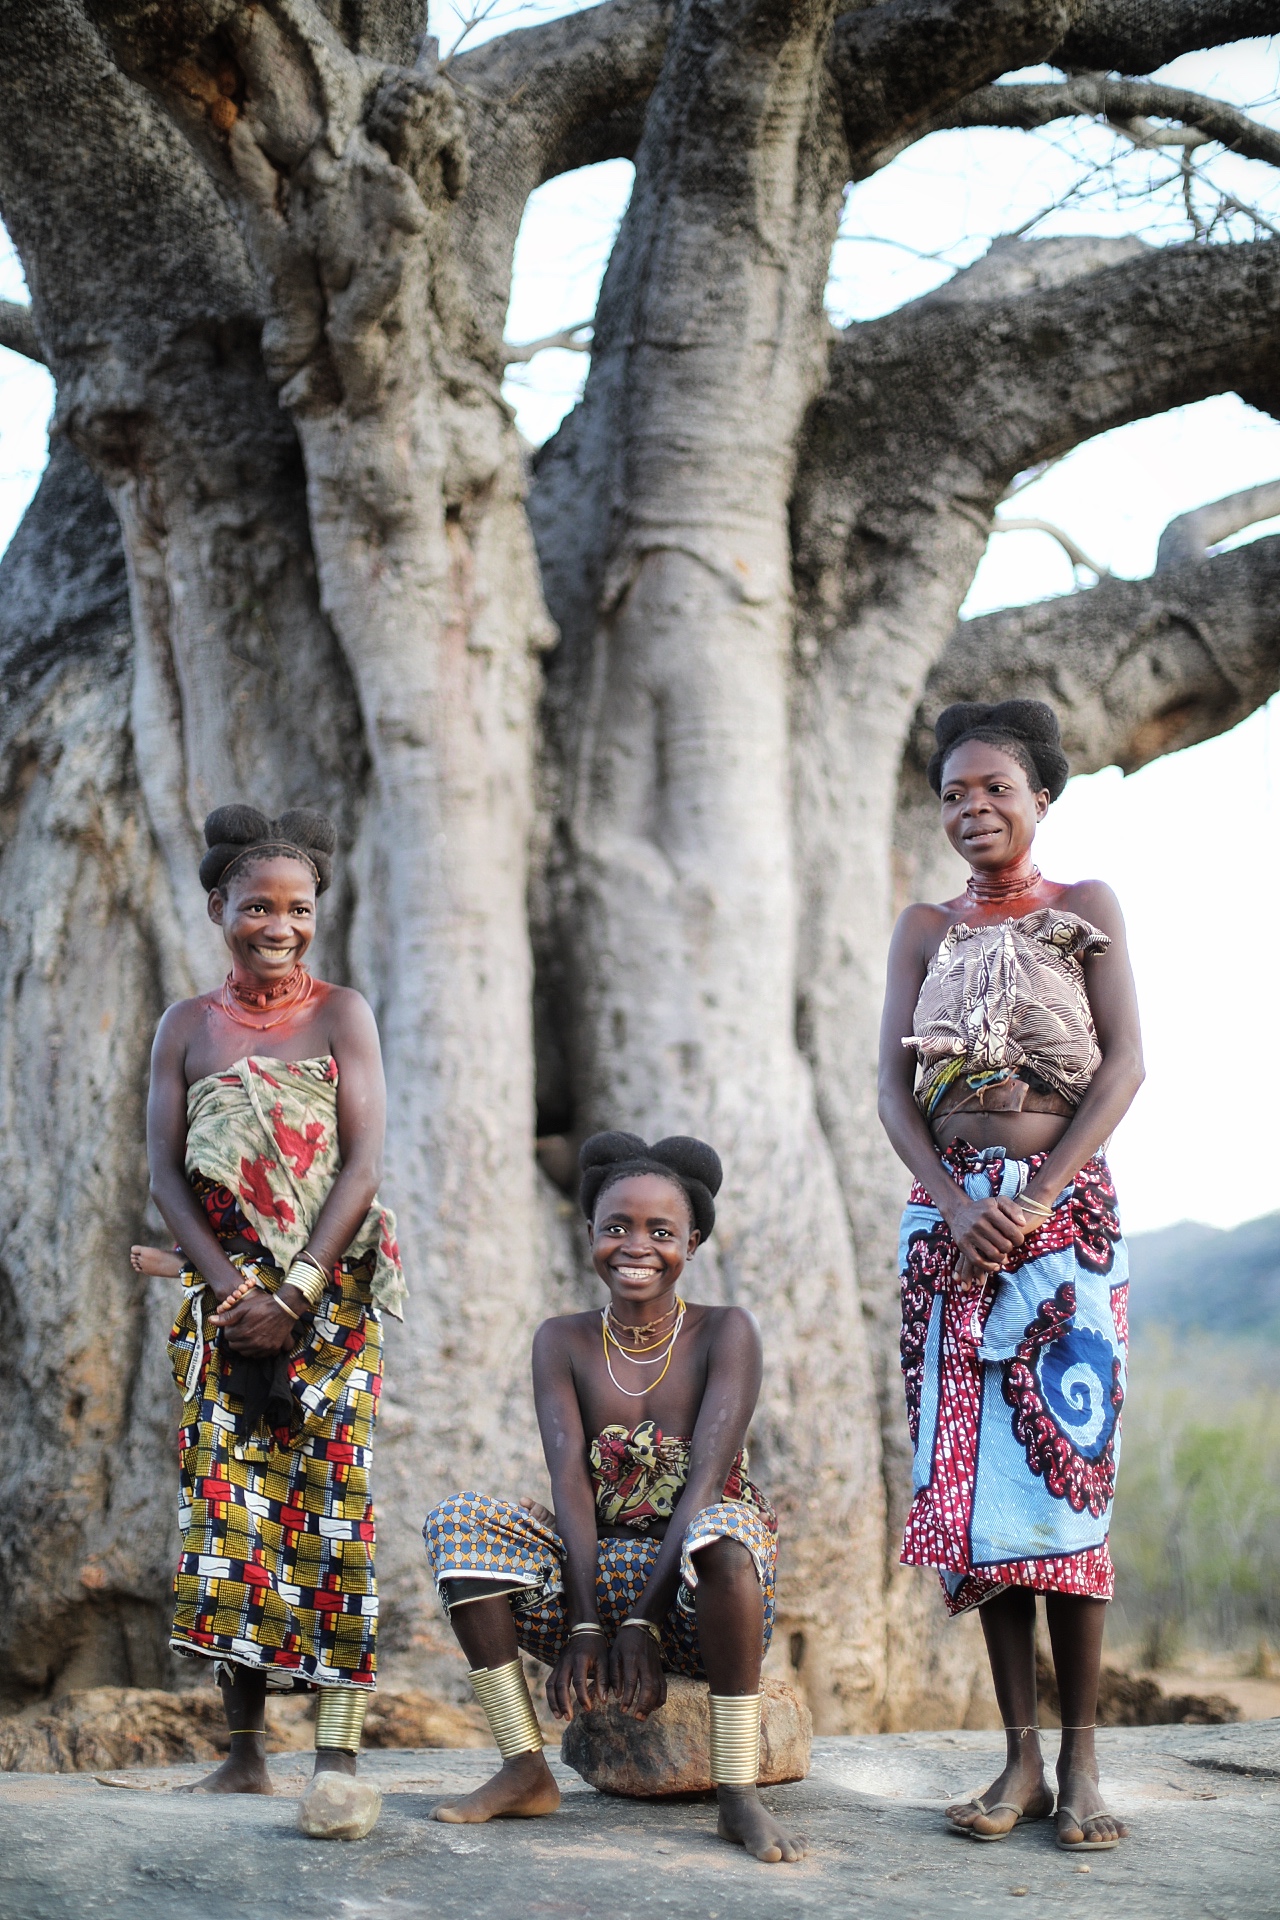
[[634, 1273]]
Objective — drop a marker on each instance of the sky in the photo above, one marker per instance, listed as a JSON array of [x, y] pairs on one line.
[[1190, 843]]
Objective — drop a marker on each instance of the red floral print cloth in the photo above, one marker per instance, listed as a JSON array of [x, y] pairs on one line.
[[267, 1130]]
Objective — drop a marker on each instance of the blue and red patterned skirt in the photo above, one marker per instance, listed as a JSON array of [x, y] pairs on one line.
[[1014, 1390]]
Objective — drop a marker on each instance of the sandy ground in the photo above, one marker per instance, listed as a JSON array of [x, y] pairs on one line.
[[1203, 1802]]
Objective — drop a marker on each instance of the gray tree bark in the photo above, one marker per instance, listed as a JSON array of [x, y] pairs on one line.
[[269, 273]]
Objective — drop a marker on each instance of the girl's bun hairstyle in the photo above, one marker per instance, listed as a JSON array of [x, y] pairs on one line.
[[1027, 729], [695, 1167], [238, 837]]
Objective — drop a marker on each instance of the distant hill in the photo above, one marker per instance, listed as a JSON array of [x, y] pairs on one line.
[[1191, 1277]]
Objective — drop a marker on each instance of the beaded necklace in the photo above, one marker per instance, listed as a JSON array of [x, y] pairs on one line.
[[671, 1347], [292, 992]]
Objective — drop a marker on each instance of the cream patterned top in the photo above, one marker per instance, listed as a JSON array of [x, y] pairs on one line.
[[1008, 1001]]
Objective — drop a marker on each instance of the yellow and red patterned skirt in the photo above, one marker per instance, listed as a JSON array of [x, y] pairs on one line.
[[276, 1570]]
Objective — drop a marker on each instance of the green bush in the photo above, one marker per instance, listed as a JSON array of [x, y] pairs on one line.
[[1196, 1528]]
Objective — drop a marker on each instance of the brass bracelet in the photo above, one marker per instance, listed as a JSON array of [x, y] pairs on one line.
[[638, 1620], [311, 1282], [284, 1306], [588, 1626]]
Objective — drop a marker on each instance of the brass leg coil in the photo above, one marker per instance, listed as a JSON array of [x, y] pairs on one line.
[[340, 1718], [503, 1692], [735, 1739]]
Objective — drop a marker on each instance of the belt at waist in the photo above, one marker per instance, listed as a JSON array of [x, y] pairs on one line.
[[1002, 1096]]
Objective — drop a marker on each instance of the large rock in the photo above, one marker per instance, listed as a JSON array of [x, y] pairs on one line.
[[670, 1752], [336, 1806]]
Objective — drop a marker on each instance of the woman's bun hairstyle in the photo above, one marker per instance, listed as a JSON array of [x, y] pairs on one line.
[[239, 837], [1028, 729], [695, 1167]]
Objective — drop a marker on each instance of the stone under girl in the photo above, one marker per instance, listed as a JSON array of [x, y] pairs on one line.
[[264, 1135], [661, 1554], [1010, 1050]]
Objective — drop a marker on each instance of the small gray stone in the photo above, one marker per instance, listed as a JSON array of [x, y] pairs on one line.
[[336, 1806], [670, 1752]]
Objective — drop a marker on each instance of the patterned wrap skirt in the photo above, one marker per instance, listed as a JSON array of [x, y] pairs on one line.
[[276, 1569], [1014, 1391], [473, 1536]]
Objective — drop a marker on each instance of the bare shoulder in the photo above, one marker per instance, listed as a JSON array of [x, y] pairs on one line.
[[349, 1011], [1095, 902], [180, 1021], [731, 1327], [919, 928], [562, 1329]]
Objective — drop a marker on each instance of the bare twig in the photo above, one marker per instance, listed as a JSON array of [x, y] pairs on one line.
[[18, 330], [1190, 536], [1074, 552], [567, 339], [474, 18], [1130, 106]]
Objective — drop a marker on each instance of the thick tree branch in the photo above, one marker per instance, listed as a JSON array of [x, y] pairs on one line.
[[572, 91], [1135, 668], [898, 65], [901, 66], [390, 30], [931, 411], [1189, 537], [1128, 104], [1135, 36], [18, 330]]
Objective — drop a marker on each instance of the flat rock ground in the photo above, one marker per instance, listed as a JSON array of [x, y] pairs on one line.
[[1204, 1803]]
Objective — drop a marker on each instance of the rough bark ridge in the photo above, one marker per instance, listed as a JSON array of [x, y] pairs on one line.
[[269, 273]]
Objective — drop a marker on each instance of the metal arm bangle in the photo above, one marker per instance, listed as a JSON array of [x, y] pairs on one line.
[[283, 1306], [308, 1277], [649, 1626], [588, 1626]]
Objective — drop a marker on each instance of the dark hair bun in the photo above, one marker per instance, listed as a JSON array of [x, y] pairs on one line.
[[1026, 728], [695, 1167], [233, 834]]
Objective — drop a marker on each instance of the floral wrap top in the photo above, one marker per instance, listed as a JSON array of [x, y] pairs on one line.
[[639, 1476]]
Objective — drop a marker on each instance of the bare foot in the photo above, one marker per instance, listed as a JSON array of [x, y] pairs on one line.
[[1021, 1785], [243, 1771], [747, 1822], [156, 1262], [1078, 1792], [521, 1789]]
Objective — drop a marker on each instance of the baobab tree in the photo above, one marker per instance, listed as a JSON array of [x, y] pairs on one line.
[[623, 742]]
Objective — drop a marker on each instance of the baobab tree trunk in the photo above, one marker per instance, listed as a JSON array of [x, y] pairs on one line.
[[269, 248], [668, 704]]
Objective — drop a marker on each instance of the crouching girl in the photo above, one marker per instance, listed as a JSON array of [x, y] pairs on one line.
[[660, 1555]]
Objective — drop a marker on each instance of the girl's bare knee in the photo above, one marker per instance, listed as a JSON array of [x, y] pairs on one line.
[[722, 1561]]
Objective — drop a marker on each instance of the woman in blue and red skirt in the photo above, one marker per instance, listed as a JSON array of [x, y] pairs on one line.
[[1009, 1052]]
